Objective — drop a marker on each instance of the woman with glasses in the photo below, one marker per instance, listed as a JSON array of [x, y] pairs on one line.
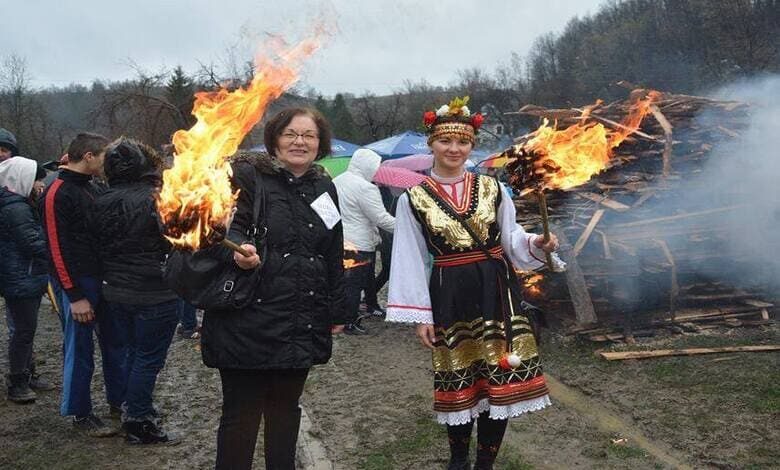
[[264, 352]]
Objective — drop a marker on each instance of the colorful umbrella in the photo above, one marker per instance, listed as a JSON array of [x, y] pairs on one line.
[[397, 177], [334, 165], [400, 145], [416, 162]]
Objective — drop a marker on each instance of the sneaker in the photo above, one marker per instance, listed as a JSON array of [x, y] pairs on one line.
[[355, 329], [377, 311], [93, 426], [39, 384], [147, 432], [19, 390], [187, 333]]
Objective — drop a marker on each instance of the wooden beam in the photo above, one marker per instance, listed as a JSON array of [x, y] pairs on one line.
[[678, 217], [619, 356], [578, 289], [667, 127], [587, 232], [604, 201]]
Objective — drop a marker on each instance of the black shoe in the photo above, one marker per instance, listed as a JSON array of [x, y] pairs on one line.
[[93, 426], [377, 311], [355, 329], [38, 383], [458, 464], [147, 432], [19, 390]]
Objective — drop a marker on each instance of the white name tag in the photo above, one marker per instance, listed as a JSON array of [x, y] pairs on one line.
[[327, 210]]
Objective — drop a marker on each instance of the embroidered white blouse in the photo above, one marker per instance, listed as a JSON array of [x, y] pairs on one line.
[[408, 297]]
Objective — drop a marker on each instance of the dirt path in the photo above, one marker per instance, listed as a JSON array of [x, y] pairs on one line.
[[370, 409]]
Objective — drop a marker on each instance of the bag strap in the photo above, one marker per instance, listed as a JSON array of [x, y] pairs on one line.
[[258, 209]]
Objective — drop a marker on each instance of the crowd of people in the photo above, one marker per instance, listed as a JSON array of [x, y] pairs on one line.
[[92, 239]]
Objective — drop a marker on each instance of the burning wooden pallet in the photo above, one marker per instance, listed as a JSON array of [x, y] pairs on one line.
[[641, 255]]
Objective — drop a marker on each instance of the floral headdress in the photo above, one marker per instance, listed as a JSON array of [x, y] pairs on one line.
[[454, 119]]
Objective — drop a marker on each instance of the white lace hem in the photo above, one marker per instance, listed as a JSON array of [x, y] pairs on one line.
[[405, 315], [455, 418]]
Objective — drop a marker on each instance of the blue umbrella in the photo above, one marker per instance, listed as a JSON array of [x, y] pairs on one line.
[[338, 148], [400, 145]]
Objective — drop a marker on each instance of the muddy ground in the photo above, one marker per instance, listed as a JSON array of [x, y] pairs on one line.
[[370, 406]]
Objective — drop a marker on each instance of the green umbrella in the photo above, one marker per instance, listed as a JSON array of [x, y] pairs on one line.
[[335, 165]]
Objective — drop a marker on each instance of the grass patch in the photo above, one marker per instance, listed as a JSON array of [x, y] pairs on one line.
[[510, 458], [767, 400], [423, 436], [624, 452]]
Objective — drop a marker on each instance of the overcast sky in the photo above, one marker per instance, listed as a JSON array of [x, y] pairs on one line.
[[375, 44]]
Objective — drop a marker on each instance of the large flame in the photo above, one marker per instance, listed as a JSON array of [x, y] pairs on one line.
[[570, 157], [196, 199]]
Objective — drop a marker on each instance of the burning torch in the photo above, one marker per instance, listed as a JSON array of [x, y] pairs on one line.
[[196, 201], [550, 159]]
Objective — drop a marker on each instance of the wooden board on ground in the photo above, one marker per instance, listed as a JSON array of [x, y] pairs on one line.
[[619, 356]]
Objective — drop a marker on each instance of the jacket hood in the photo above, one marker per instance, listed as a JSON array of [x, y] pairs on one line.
[[364, 163], [17, 174], [129, 161], [8, 140]]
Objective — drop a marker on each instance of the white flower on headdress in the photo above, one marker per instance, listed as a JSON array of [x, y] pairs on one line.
[[464, 110], [443, 111]]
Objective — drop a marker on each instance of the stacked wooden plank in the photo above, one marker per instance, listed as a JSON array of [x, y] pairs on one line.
[[639, 251]]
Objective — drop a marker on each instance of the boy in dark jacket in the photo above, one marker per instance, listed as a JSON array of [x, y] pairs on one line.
[[75, 273], [131, 250], [23, 270]]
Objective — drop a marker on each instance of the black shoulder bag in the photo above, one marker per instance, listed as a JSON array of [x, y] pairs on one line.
[[208, 278], [534, 314]]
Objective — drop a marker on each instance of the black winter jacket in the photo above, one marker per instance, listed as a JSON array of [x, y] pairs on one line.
[[129, 243], [66, 205], [300, 295], [23, 255]]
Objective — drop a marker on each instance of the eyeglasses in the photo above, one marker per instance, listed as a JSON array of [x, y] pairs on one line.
[[289, 137]]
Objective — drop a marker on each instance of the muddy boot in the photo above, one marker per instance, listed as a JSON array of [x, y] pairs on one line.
[[19, 389], [93, 426], [147, 432], [37, 382]]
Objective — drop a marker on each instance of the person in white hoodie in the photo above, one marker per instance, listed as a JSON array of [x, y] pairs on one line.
[[362, 213]]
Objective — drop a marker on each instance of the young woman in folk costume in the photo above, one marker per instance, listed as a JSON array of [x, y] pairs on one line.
[[485, 359]]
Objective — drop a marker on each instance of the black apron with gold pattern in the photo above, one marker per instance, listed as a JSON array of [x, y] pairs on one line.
[[470, 298]]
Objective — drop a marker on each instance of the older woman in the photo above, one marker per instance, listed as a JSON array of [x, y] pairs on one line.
[[485, 359], [264, 352]]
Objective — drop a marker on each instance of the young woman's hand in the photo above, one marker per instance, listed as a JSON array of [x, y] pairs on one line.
[[548, 247], [337, 329], [247, 262], [426, 334]]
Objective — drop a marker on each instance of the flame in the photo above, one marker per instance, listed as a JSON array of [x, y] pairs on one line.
[[196, 200], [531, 284], [350, 263], [570, 157]]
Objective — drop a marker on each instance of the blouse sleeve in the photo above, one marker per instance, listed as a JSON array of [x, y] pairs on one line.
[[516, 242], [408, 299]]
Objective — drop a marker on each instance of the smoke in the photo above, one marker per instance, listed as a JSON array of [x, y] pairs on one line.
[[746, 171], [738, 242]]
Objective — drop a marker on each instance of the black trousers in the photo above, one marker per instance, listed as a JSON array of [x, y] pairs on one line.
[[249, 396], [24, 315], [355, 281]]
